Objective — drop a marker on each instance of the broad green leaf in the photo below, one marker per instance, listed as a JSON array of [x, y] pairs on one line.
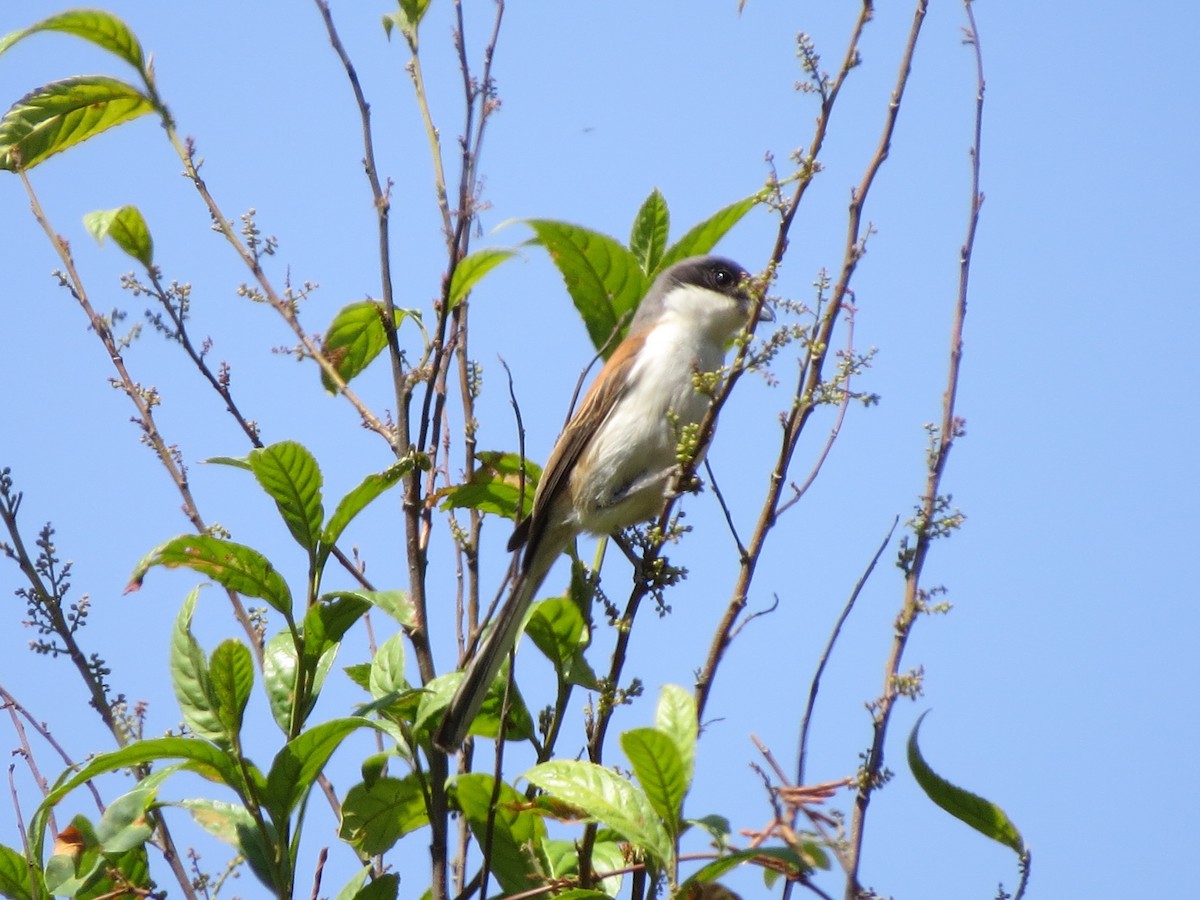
[[648, 240], [358, 500], [124, 825], [703, 237], [296, 767], [514, 827], [237, 462], [231, 677], [387, 667], [234, 566], [607, 797], [982, 815], [233, 824], [385, 887], [95, 25], [280, 666], [495, 486], [128, 229], [355, 337], [677, 718], [329, 619], [813, 857], [351, 888], [374, 817], [557, 628], [472, 268], [659, 771], [292, 478], [14, 874], [396, 604], [563, 860], [360, 674], [603, 278], [190, 680], [59, 115], [435, 697]]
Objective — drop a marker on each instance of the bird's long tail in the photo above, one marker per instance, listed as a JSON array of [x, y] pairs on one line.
[[497, 643]]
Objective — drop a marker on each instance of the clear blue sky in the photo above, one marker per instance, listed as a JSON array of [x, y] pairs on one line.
[[1061, 684]]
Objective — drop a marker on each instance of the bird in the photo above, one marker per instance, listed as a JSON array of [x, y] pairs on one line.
[[616, 459]]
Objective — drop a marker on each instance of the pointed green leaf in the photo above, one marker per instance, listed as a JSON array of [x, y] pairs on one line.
[[677, 718], [607, 797], [387, 667], [95, 25], [395, 603], [291, 476], [296, 767], [557, 628], [59, 115], [279, 677], [982, 815], [385, 887], [15, 873], [472, 268], [190, 679], [231, 675], [514, 828], [375, 817], [128, 229], [435, 697], [233, 824], [355, 337], [358, 500], [329, 619], [234, 566], [495, 486], [124, 824], [648, 241], [659, 771], [703, 237], [603, 278], [562, 858], [237, 462]]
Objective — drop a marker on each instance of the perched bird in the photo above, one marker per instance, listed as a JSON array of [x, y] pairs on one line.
[[614, 462]]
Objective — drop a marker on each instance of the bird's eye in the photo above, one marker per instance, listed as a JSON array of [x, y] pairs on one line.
[[723, 278]]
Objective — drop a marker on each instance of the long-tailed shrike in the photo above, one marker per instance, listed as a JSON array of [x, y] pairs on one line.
[[615, 460]]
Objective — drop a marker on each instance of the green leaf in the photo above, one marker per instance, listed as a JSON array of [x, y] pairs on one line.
[[296, 767], [233, 824], [472, 268], [189, 677], [677, 718], [659, 771], [703, 237], [982, 815], [385, 887], [374, 817], [231, 676], [648, 241], [607, 797], [128, 229], [280, 666], [124, 825], [396, 604], [59, 115], [514, 827], [15, 873], [387, 667], [563, 859], [557, 628], [358, 500], [603, 278], [95, 25], [495, 486], [292, 478], [435, 697], [328, 620], [355, 337], [234, 566]]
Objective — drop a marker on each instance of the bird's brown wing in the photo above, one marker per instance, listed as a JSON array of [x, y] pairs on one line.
[[612, 382]]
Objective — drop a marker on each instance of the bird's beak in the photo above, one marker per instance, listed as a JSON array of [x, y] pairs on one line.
[[765, 313]]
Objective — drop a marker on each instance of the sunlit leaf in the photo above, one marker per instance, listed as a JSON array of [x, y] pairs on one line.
[[14, 874], [607, 797], [603, 278], [648, 240], [59, 115], [329, 619], [354, 338], [659, 771], [95, 25], [559, 630], [375, 817], [509, 824], [387, 667], [703, 237], [357, 500], [231, 677], [495, 486], [396, 604], [982, 815], [296, 767], [124, 824], [189, 677], [231, 565], [292, 478], [280, 666], [472, 268], [233, 824], [676, 717], [128, 229], [385, 887]]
